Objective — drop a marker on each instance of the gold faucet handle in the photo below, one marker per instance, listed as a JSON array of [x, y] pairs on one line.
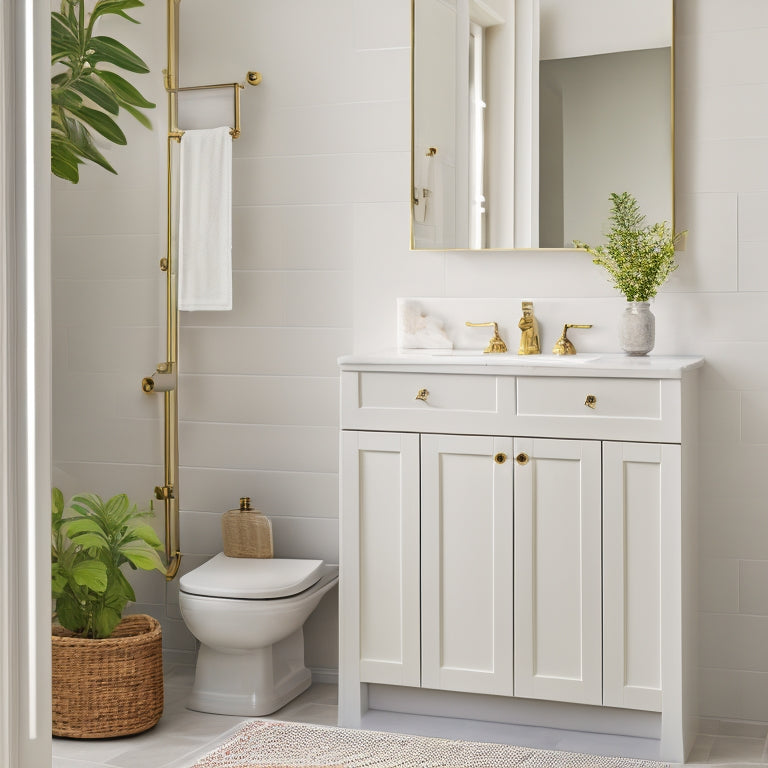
[[496, 345], [564, 346]]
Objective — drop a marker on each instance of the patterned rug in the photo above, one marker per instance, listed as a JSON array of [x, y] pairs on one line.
[[276, 744]]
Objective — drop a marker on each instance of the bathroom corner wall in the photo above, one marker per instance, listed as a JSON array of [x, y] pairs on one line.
[[321, 178]]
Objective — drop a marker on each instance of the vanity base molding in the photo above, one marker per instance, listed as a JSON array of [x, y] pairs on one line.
[[518, 551], [507, 720]]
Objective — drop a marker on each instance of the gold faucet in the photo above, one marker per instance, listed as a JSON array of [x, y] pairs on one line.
[[564, 346], [496, 345], [529, 340]]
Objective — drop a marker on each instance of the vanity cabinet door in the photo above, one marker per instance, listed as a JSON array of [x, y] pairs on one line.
[[558, 631], [466, 577], [380, 557], [641, 502]]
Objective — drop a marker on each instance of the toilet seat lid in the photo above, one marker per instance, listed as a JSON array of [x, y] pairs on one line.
[[251, 578]]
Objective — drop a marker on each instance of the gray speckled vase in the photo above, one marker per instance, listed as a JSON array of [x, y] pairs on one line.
[[637, 330]]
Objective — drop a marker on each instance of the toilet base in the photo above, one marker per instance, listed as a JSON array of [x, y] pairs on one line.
[[250, 683]]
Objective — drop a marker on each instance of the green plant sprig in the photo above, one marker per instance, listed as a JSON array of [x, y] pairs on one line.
[[639, 257], [90, 541], [84, 95]]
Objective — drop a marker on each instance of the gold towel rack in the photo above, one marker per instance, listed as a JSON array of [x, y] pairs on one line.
[[168, 493]]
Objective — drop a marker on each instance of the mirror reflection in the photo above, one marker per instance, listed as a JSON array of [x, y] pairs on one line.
[[527, 114]]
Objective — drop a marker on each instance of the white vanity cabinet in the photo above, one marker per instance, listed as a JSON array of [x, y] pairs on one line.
[[519, 537]]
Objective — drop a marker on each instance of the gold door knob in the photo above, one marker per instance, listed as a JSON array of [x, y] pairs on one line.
[[522, 459], [591, 401], [500, 458], [422, 394]]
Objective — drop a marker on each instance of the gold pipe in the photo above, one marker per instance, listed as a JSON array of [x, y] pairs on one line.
[[169, 491]]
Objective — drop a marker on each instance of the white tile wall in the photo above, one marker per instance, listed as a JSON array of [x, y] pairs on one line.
[[321, 254]]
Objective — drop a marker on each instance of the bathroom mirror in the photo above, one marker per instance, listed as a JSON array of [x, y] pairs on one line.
[[527, 114]]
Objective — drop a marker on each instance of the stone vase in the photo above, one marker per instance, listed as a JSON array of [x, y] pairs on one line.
[[637, 330]]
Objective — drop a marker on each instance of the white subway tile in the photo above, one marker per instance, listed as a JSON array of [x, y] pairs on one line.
[[126, 302], [733, 694], [733, 641], [710, 259], [731, 165], [753, 207], [295, 494], [719, 587], [130, 441], [100, 348], [107, 257], [296, 401], [265, 351], [306, 537], [754, 417], [753, 587], [383, 75], [753, 266], [248, 446], [732, 526], [381, 25], [720, 417], [359, 178], [107, 479], [122, 212], [733, 111], [293, 237]]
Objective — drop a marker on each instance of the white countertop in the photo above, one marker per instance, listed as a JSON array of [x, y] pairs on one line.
[[511, 364]]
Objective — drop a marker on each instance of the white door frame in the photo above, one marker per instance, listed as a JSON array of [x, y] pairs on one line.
[[25, 385]]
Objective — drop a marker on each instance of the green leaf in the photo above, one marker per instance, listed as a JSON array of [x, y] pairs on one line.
[[142, 556], [82, 143], [61, 97], [93, 542], [64, 41], [91, 574], [102, 123], [81, 525], [146, 533], [115, 6], [123, 90], [105, 619], [140, 116], [70, 613], [98, 93], [57, 503], [109, 50]]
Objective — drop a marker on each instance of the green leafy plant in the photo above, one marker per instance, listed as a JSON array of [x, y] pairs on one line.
[[639, 257], [91, 540], [84, 94]]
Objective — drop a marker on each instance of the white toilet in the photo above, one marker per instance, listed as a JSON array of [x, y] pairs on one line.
[[248, 615]]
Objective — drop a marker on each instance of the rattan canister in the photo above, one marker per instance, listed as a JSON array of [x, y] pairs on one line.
[[246, 532], [108, 687]]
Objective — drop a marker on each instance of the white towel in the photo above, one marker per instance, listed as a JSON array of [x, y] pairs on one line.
[[205, 220]]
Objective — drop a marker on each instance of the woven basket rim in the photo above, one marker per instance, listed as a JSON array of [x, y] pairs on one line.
[[141, 626]]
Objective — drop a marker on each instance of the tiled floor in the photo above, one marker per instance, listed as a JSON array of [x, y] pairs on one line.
[[182, 736]]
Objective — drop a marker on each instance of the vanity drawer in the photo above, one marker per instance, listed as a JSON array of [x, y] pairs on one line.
[[431, 402], [606, 408]]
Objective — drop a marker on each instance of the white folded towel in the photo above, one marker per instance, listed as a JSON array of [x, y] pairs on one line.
[[205, 220]]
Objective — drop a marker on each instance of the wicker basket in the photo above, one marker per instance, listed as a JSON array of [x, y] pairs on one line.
[[109, 687]]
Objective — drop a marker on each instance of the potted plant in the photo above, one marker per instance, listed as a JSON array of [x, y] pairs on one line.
[[107, 670], [86, 95], [639, 258]]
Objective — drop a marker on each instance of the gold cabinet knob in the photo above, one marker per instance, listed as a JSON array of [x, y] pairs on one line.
[[591, 401], [500, 458], [422, 394], [522, 459]]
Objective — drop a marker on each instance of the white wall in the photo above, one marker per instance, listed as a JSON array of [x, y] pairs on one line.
[[321, 252]]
